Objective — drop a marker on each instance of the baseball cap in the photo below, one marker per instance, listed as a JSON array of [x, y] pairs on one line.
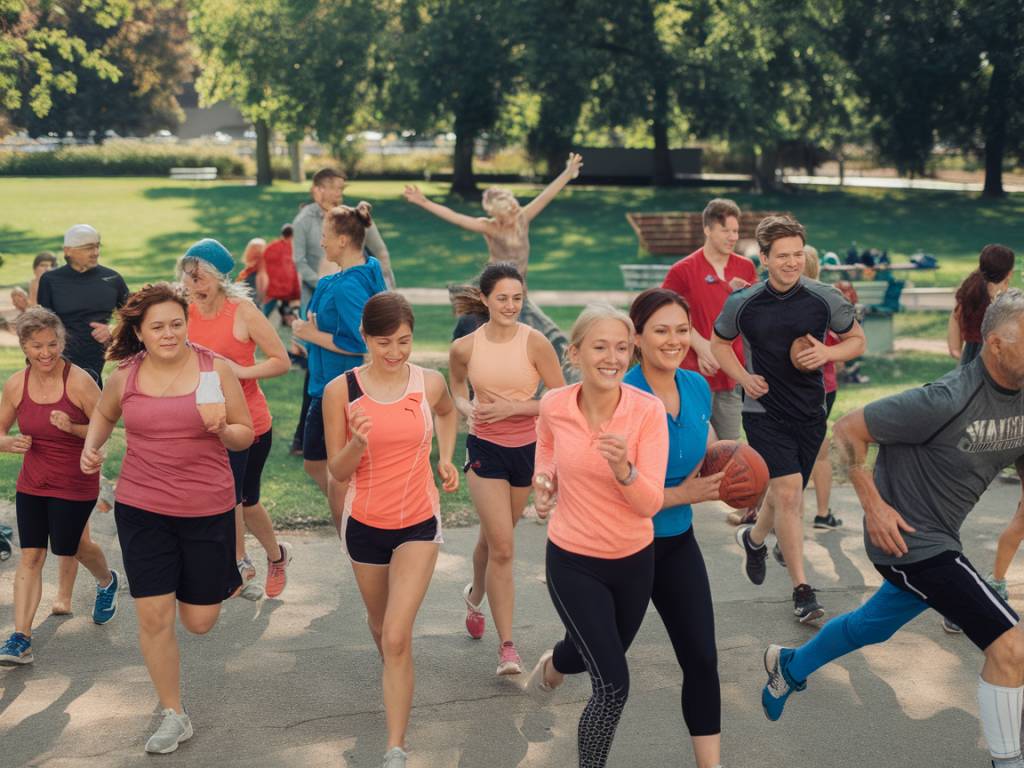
[[81, 234], [212, 252]]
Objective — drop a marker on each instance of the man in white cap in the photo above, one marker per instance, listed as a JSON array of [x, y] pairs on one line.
[[84, 295]]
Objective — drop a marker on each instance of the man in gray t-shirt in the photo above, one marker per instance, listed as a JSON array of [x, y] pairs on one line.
[[939, 448]]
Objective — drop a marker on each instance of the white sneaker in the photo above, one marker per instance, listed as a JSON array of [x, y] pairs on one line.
[[395, 758], [173, 730]]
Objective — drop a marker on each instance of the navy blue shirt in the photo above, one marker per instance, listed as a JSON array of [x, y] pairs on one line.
[[687, 441]]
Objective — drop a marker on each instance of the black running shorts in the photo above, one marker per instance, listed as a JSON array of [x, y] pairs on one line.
[[59, 521], [496, 462], [375, 546], [788, 448]]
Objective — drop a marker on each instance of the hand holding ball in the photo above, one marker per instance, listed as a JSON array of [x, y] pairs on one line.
[[746, 474]]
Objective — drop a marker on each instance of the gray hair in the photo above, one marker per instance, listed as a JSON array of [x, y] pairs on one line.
[[36, 319], [231, 289], [1007, 307]]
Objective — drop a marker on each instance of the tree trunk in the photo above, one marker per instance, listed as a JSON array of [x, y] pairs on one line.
[[765, 165], [996, 118], [663, 175], [264, 174], [463, 180], [295, 156]]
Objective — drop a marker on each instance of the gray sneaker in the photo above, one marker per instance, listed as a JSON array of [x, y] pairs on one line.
[[395, 758], [173, 730]]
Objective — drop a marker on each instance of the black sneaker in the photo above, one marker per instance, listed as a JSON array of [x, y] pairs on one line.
[[777, 554], [805, 604], [753, 557], [828, 522]]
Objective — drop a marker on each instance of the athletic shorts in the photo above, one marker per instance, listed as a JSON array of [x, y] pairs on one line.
[[830, 400], [59, 521], [788, 448], [496, 462], [314, 447], [726, 405], [375, 546], [247, 469], [949, 584], [192, 558]]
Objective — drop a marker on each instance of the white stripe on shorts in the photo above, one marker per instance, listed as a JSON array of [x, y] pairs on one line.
[[988, 593]]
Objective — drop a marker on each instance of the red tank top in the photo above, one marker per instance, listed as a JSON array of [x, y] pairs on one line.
[[172, 465], [217, 333], [51, 467]]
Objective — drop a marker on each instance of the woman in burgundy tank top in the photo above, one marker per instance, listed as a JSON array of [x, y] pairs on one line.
[[183, 409], [51, 400]]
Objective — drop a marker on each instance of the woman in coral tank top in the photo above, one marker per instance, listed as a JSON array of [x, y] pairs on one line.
[[378, 422], [175, 506], [504, 360]]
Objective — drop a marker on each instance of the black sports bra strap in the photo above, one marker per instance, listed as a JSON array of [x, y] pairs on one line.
[[354, 390]]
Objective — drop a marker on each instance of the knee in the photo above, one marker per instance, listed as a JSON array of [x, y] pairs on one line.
[[198, 625], [33, 559], [500, 553], [787, 498], [152, 623], [395, 643], [1007, 651]]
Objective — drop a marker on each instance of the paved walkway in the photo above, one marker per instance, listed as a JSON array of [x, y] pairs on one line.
[[295, 682]]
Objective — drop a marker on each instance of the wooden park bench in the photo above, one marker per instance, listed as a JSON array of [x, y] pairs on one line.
[[201, 173]]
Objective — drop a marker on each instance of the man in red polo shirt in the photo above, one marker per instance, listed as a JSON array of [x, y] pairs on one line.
[[705, 279]]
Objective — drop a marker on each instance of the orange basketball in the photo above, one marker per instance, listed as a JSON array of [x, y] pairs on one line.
[[746, 474], [799, 345]]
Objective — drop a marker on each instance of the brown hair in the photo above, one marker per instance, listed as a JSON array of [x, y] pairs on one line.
[[772, 228], [467, 300], [351, 222], [35, 319], [44, 256], [718, 210], [649, 302], [125, 342], [321, 177], [994, 263], [385, 312]]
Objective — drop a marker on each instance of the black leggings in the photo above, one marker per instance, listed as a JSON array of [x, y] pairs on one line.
[[602, 604], [682, 596]]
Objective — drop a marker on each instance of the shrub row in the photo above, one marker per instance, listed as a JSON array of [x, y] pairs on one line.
[[118, 160]]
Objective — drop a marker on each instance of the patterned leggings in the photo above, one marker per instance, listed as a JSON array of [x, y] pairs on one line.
[[602, 604]]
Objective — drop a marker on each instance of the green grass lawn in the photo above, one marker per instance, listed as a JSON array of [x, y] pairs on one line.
[[577, 243]]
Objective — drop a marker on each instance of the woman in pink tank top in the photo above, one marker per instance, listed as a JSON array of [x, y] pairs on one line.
[[377, 423], [222, 318], [182, 407], [51, 400], [504, 361]]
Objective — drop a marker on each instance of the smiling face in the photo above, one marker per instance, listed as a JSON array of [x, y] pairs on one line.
[[722, 238], [603, 354], [164, 330], [43, 350], [785, 262], [505, 301], [665, 339], [392, 351]]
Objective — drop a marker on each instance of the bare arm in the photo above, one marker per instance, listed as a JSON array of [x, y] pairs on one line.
[[695, 489], [540, 202], [8, 415], [262, 332], [375, 245], [237, 434], [102, 421], [1010, 539], [446, 425], [343, 455], [954, 342], [851, 345], [458, 374], [752, 384], [472, 223]]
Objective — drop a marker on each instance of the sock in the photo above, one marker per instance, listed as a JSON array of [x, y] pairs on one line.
[[1000, 709]]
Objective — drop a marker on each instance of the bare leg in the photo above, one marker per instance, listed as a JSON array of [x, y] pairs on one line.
[[257, 520], [1009, 543], [67, 572], [239, 533], [159, 645], [476, 594], [329, 487], [787, 498], [373, 586], [28, 588], [91, 556], [707, 750], [822, 477]]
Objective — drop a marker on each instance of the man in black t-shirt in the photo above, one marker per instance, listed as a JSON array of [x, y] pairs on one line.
[[84, 295], [784, 408]]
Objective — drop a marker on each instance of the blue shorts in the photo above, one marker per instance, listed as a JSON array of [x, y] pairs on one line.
[[314, 447]]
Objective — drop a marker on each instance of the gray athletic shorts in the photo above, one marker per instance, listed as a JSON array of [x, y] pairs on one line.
[[725, 413]]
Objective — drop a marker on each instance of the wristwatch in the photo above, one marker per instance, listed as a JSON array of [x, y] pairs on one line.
[[630, 477]]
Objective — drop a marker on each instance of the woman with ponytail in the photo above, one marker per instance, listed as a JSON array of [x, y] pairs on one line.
[[992, 277]]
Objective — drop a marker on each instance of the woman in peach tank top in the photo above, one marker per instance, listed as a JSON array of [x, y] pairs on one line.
[[504, 361], [222, 318], [377, 423]]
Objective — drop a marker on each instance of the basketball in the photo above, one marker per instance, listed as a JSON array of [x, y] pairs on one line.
[[799, 345], [746, 474]]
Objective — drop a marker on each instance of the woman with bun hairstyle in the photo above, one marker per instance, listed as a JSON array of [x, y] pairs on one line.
[[682, 593], [183, 409], [504, 361], [378, 421], [331, 330], [602, 450], [992, 277]]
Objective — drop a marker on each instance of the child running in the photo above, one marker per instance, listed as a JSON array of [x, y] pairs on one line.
[[503, 361], [602, 451], [379, 430], [51, 400]]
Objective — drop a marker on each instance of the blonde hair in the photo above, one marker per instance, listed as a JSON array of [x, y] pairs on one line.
[[498, 201], [812, 267], [36, 319], [231, 289], [253, 251], [594, 313]]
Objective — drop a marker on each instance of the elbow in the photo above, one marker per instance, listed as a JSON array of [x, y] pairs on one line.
[[281, 366]]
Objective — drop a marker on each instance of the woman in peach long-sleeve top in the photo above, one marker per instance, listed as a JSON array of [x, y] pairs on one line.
[[602, 451]]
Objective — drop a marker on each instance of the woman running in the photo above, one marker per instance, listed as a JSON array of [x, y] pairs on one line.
[[331, 331], [992, 277], [222, 318], [51, 400], [379, 431], [175, 501], [504, 361], [682, 594], [602, 451]]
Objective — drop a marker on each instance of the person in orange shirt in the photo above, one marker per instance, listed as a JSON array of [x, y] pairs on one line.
[[379, 428], [602, 453]]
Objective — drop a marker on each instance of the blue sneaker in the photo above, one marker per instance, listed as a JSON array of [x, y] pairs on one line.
[[17, 650], [780, 684], [106, 600]]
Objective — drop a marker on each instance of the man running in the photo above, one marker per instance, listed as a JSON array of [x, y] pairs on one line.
[[939, 448]]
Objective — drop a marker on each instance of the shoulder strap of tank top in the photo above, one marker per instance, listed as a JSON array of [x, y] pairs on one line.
[[354, 390], [24, 384], [204, 355], [416, 383]]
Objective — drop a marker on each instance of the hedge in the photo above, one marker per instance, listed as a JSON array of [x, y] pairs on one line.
[[118, 160]]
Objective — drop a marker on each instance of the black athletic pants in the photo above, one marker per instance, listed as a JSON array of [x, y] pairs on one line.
[[602, 604], [300, 429], [682, 596]]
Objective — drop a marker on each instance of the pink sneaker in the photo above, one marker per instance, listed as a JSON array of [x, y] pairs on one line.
[[277, 574], [475, 621], [509, 662]]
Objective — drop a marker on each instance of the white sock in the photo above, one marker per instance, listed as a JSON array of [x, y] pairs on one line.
[[1000, 710]]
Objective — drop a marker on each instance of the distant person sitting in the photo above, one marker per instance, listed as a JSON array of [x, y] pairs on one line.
[[282, 279], [41, 264]]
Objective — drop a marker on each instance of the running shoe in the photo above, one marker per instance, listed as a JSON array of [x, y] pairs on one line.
[[105, 607], [509, 662], [250, 589], [951, 628], [475, 621], [777, 554], [780, 684], [535, 683], [395, 758], [17, 650], [805, 604], [827, 522], [1008, 762], [753, 557], [277, 573], [173, 730]]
